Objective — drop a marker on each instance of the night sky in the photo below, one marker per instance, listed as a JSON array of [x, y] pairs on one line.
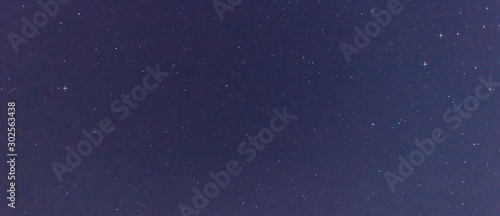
[[267, 108]]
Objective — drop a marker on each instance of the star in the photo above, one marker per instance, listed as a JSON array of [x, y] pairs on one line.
[[65, 88], [425, 64], [440, 35]]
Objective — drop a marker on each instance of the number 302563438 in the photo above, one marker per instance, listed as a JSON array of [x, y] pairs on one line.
[[11, 121]]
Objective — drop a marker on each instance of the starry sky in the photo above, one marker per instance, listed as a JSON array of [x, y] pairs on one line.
[[209, 90]]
